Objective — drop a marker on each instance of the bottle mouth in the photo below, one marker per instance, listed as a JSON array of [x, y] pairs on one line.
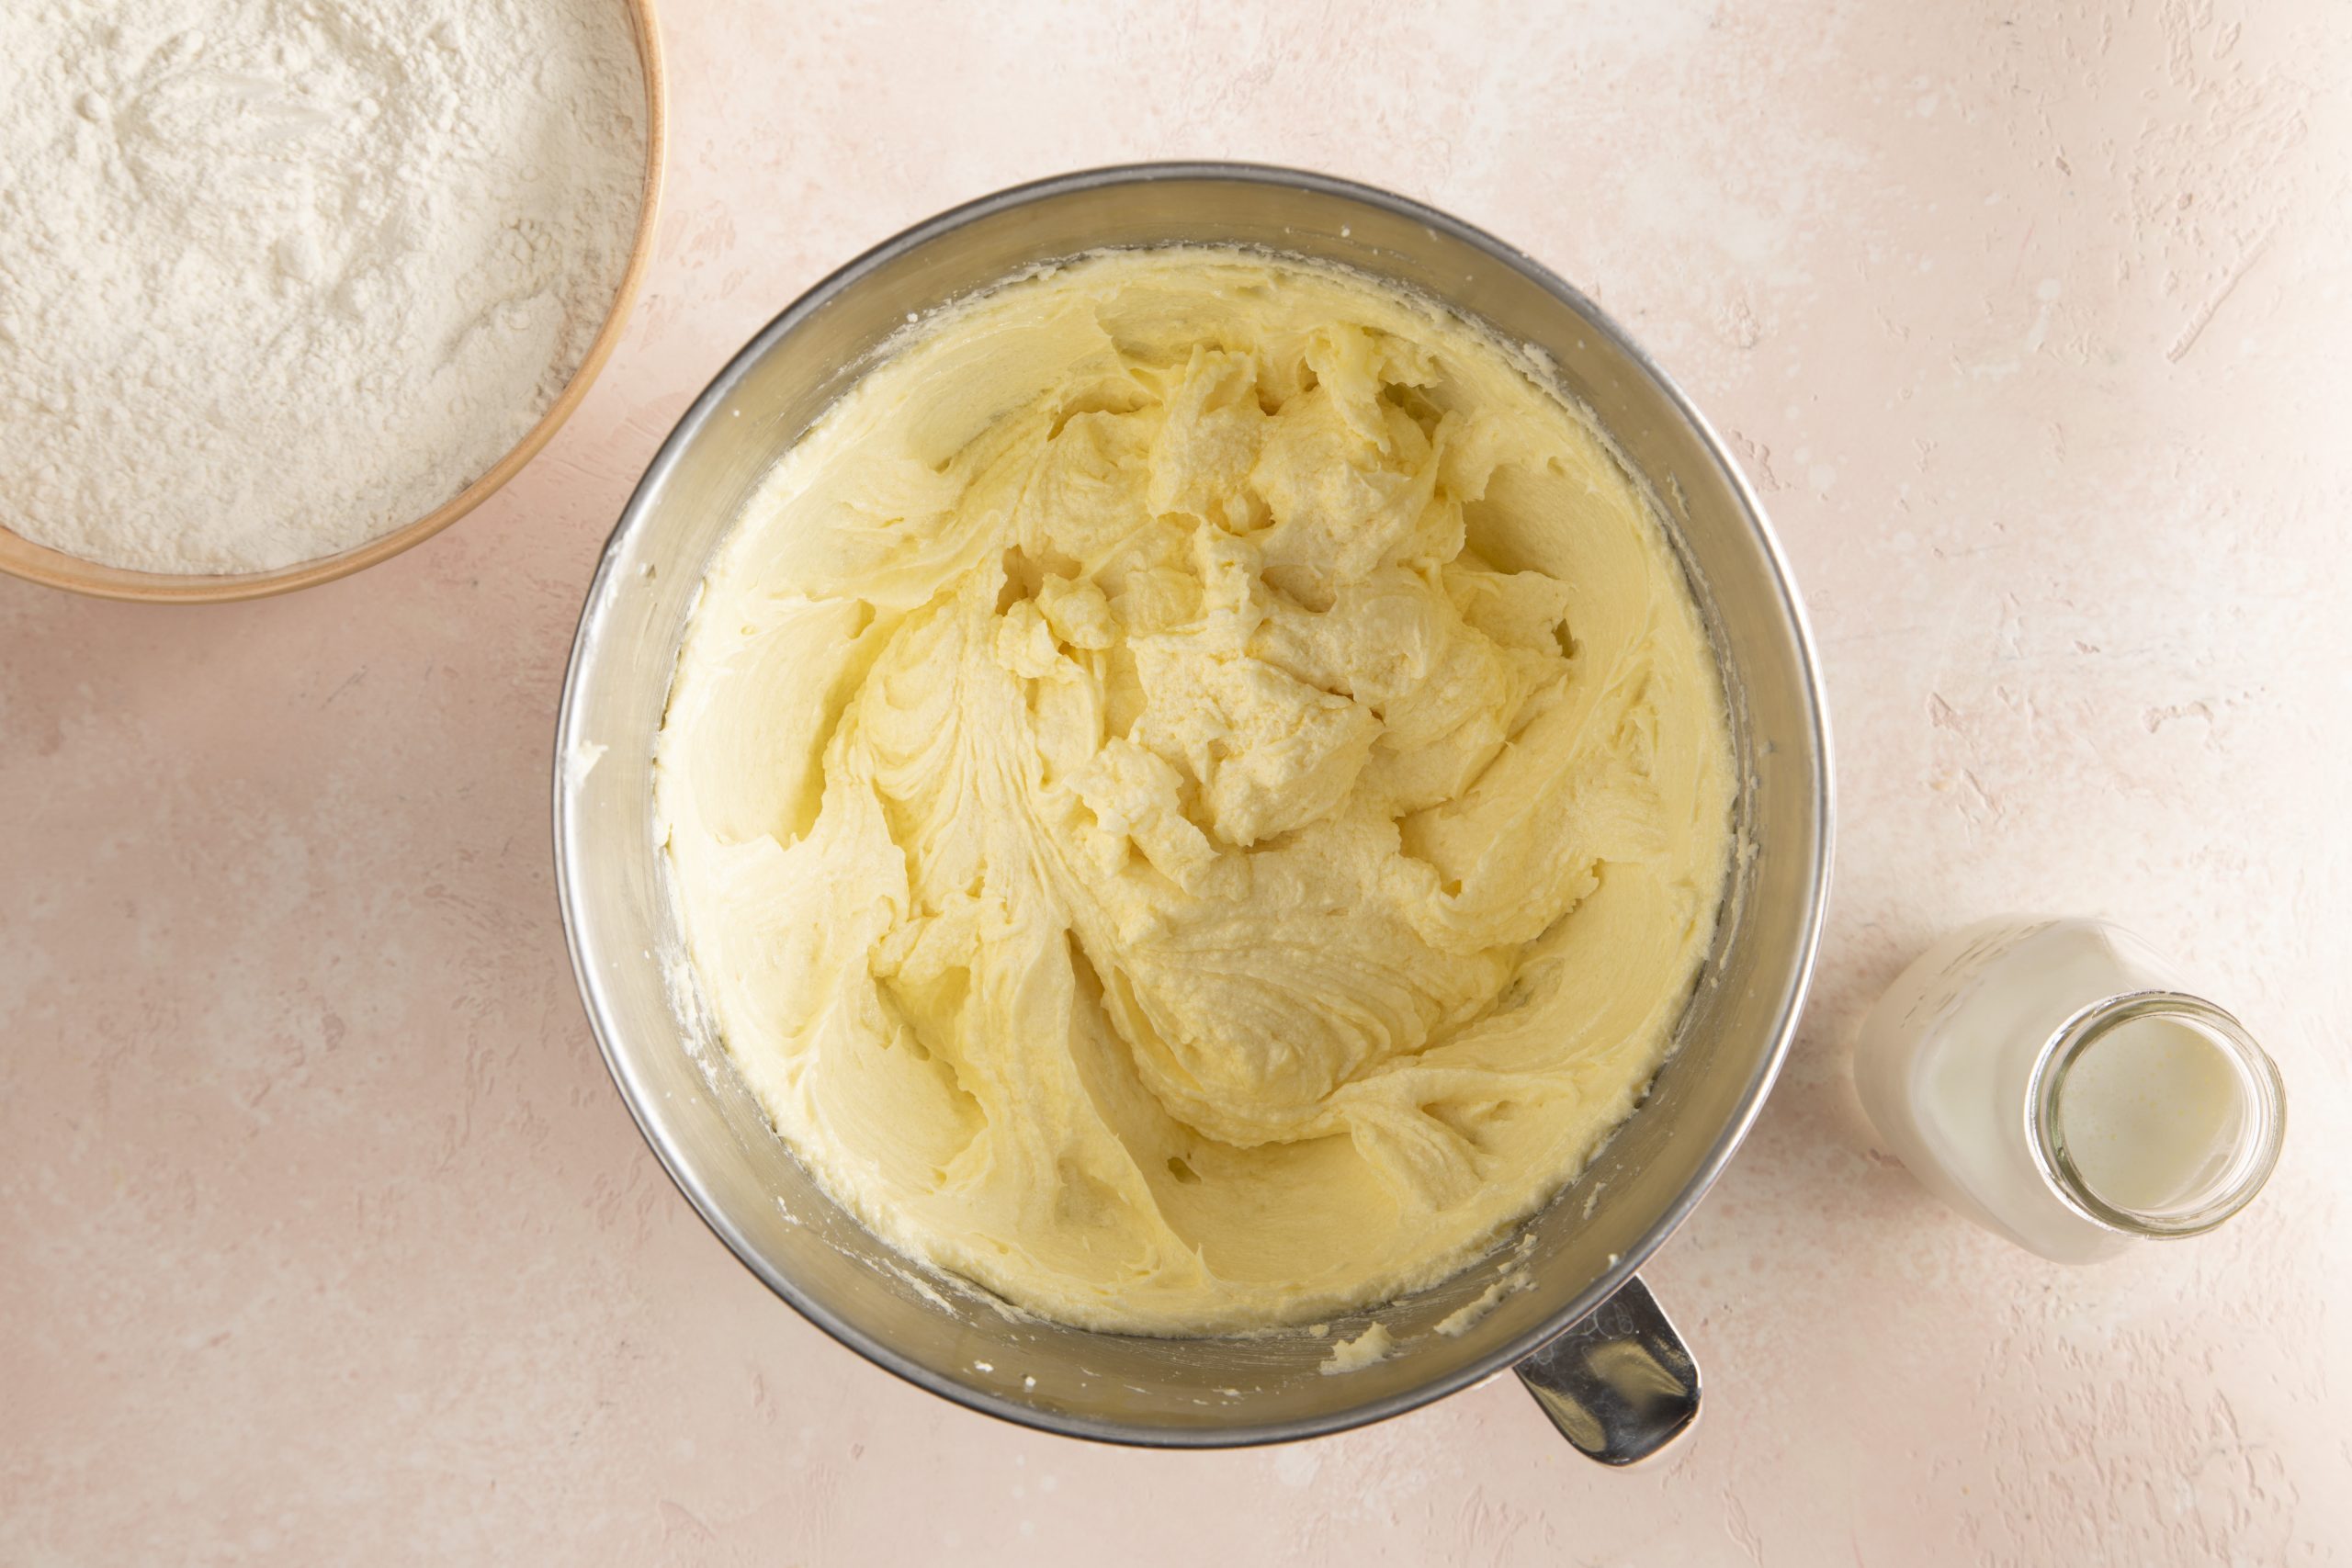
[[2241, 1140]]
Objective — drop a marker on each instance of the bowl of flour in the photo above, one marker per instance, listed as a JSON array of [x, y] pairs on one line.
[[288, 288]]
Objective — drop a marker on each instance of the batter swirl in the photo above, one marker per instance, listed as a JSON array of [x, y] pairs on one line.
[[1197, 794]]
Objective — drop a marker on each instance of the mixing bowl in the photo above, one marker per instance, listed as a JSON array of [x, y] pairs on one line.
[[1580, 1329]]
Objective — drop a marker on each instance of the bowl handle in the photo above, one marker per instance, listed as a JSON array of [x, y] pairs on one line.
[[1619, 1385]]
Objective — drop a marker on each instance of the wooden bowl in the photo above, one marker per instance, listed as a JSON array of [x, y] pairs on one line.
[[39, 563]]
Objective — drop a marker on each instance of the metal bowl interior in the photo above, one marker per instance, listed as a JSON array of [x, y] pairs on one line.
[[712, 1136], [22, 557]]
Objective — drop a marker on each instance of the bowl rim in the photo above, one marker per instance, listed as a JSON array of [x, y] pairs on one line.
[[1790, 1007], [53, 568]]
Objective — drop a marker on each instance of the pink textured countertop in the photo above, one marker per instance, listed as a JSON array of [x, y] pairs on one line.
[[323, 1236]]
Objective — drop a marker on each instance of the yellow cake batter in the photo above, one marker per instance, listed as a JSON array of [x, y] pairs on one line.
[[1197, 794]]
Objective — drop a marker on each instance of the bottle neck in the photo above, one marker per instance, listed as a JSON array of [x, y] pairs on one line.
[[2186, 1092]]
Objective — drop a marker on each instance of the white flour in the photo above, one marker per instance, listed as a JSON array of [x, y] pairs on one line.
[[279, 275]]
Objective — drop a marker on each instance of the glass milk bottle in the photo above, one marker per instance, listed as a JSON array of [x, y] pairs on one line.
[[2044, 1077]]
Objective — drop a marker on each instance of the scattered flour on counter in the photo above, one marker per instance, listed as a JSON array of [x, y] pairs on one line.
[[277, 277]]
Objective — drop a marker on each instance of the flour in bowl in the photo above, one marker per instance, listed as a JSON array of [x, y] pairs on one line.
[[277, 276]]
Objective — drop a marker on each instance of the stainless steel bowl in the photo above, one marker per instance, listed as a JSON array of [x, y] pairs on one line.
[[1615, 1380]]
